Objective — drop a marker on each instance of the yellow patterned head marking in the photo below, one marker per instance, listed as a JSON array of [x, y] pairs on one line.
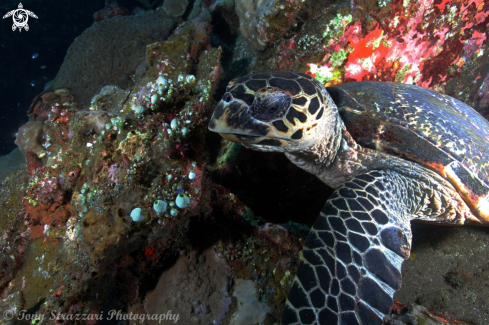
[[269, 110]]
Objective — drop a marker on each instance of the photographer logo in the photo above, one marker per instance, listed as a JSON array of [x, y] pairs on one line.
[[20, 17]]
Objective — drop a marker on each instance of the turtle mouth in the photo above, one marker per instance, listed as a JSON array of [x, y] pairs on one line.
[[236, 137], [253, 139]]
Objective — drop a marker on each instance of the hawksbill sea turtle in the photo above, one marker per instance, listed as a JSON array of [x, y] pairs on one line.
[[20, 17], [393, 152]]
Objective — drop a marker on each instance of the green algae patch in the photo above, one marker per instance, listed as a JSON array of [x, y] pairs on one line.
[[40, 272], [229, 152], [167, 55]]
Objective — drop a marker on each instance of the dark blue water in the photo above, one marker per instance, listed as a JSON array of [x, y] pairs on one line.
[[22, 77]]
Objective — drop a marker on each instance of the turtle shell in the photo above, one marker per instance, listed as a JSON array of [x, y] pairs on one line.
[[421, 125]]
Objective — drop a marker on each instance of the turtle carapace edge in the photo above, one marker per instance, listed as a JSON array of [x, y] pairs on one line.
[[393, 152]]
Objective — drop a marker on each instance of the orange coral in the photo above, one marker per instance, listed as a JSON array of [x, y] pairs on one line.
[[49, 213]]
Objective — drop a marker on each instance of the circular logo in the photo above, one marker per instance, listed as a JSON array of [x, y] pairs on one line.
[[20, 18], [8, 314]]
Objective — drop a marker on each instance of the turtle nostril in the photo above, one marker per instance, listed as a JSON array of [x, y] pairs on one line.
[[226, 97], [273, 109]]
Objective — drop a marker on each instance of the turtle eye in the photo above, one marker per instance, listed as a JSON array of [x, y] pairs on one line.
[[271, 107]]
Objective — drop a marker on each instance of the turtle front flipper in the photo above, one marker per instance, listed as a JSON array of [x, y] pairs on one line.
[[351, 263]]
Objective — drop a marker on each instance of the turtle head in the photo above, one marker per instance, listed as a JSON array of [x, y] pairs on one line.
[[280, 111]]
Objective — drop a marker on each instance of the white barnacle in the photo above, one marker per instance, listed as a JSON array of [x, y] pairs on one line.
[[174, 123], [162, 84], [190, 79]]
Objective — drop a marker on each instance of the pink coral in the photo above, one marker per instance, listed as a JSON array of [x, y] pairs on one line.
[[114, 171], [433, 45]]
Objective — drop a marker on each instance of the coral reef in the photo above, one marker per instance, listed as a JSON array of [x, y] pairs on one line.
[[111, 9], [109, 52], [250, 309], [435, 45], [129, 150], [263, 22], [175, 8], [416, 314], [196, 288], [9, 163], [13, 240], [94, 120], [29, 138], [51, 103], [101, 230], [13, 302]]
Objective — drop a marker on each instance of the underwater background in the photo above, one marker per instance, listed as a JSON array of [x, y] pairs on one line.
[[114, 196]]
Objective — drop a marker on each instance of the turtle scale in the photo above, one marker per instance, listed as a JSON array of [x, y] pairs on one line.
[[388, 116], [421, 125], [394, 153], [414, 123]]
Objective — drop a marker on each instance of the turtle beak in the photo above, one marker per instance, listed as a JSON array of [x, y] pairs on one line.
[[233, 137], [234, 123]]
